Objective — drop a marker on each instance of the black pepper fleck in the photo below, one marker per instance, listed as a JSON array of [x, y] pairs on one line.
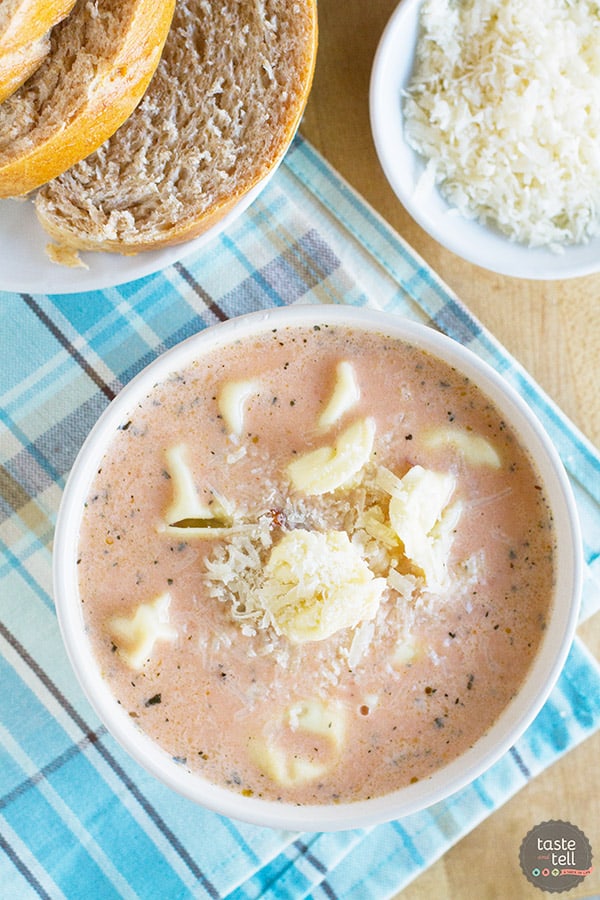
[[152, 701]]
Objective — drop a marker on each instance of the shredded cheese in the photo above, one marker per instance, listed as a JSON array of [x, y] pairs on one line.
[[385, 537], [504, 104], [315, 584]]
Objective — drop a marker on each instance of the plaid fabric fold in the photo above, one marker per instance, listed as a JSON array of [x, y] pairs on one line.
[[78, 817]]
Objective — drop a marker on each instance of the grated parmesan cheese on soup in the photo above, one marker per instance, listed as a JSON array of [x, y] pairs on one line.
[[504, 103]]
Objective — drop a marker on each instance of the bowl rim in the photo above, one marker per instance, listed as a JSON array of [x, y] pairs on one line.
[[511, 723], [402, 166]]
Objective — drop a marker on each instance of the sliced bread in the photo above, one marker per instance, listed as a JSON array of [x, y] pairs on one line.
[[17, 65], [25, 38], [219, 113], [101, 59]]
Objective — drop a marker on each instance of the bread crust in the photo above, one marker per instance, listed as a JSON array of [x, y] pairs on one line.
[[24, 21], [183, 232], [192, 223], [17, 66], [96, 109], [24, 42]]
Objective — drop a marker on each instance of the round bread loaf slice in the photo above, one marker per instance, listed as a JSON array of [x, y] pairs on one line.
[[218, 116], [101, 59], [25, 38]]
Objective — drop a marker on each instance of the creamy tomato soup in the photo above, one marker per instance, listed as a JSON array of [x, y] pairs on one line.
[[316, 565]]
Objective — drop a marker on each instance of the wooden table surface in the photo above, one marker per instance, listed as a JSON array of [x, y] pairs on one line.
[[553, 329]]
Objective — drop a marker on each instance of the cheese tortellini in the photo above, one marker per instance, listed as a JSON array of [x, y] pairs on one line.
[[135, 636], [317, 583], [327, 468], [296, 765]]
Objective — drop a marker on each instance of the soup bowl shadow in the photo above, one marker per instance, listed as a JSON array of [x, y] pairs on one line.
[[512, 722]]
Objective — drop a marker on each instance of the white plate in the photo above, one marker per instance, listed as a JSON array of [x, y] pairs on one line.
[[391, 72], [26, 268]]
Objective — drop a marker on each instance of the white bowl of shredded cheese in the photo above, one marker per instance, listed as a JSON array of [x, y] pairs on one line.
[[486, 121]]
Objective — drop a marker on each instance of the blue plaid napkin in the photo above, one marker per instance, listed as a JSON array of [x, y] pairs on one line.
[[79, 819]]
